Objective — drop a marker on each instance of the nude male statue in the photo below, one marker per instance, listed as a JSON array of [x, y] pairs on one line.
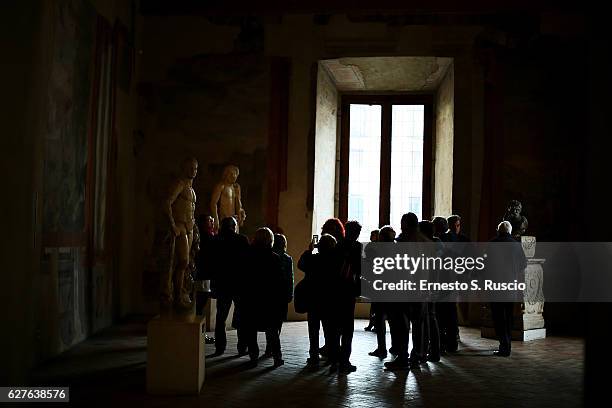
[[179, 207], [225, 200]]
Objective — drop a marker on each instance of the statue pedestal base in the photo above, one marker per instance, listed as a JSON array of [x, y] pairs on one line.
[[528, 321], [175, 356]]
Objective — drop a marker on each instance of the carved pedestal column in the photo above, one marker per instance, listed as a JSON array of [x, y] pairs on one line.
[[528, 319]]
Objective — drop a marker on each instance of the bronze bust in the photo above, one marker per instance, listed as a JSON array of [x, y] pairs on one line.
[[517, 220]]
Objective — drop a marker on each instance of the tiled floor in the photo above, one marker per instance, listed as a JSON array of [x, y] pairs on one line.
[[109, 369]]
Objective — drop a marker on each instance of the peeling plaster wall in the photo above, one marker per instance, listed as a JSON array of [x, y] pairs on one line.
[[443, 146], [380, 74]]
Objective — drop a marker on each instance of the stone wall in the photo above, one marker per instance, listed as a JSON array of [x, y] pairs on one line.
[[325, 150], [443, 146]]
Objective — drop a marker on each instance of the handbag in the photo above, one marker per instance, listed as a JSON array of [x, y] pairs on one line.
[[301, 296]]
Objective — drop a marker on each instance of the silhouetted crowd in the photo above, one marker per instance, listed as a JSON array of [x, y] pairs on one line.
[[257, 279]]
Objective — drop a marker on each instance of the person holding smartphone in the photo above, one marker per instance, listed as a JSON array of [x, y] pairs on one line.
[[321, 270]]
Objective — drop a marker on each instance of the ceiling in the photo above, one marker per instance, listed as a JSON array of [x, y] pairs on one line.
[[396, 7], [409, 74]]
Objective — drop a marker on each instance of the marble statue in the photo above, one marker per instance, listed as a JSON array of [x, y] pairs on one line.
[[226, 200], [518, 221], [179, 208]]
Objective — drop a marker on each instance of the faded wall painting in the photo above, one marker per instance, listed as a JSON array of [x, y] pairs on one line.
[[68, 98]]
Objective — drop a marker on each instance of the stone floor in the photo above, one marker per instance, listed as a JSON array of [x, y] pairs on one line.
[[109, 368]]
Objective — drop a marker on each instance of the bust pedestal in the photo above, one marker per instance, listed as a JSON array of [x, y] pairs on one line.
[[528, 321], [175, 356]]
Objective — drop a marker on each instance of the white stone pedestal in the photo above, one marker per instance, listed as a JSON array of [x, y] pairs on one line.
[[175, 356], [528, 319]]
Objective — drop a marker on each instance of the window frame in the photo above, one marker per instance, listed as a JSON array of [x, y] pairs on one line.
[[386, 102]]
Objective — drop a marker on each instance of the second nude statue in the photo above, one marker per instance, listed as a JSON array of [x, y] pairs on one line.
[[226, 200]]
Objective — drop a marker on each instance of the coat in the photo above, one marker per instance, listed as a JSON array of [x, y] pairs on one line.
[[322, 279], [263, 291], [228, 253]]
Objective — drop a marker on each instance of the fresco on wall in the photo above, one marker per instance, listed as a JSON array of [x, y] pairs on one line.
[[71, 288], [68, 97], [102, 129], [80, 100]]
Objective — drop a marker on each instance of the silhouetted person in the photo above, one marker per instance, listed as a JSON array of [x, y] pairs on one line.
[[374, 234], [440, 225], [322, 272], [514, 263], [431, 335], [448, 320], [280, 248], [349, 288], [204, 262], [335, 228], [263, 296], [426, 228], [413, 312], [230, 250], [380, 309], [454, 230]]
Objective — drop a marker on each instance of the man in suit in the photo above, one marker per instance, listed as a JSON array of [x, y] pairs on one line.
[[280, 248], [402, 315], [511, 262], [350, 287], [447, 311], [229, 249], [263, 297]]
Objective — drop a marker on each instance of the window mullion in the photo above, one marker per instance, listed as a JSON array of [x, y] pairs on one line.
[[385, 165]]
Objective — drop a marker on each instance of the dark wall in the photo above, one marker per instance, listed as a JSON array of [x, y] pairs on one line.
[[548, 104], [536, 124], [17, 164], [596, 200], [51, 297], [214, 108], [545, 122]]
